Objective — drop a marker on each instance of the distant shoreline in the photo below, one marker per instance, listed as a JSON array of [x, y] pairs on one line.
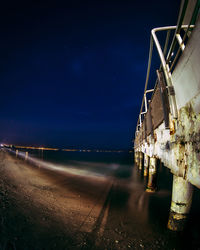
[[64, 149]]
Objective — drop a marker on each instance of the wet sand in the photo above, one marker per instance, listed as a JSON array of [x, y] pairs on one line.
[[46, 209]]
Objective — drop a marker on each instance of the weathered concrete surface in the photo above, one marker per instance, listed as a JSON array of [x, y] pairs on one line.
[[181, 196], [178, 148], [188, 136], [181, 202]]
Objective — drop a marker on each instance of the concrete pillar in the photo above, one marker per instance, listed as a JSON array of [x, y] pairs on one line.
[[136, 157], [146, 164], [180, 204], [17, 152], [141, 160], [151, 186]]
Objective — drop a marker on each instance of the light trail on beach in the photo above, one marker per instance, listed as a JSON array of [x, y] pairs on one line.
[[84, 169]]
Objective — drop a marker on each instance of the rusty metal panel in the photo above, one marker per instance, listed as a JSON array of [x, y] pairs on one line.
[[145, 128], [142, 130], [156, 108], [140, 135], [148, 119], [164, 97]]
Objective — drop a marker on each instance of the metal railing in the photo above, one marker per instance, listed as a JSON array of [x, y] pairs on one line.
[[164, 65]]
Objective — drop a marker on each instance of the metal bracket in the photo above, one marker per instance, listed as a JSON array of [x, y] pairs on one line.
[[171, 90]]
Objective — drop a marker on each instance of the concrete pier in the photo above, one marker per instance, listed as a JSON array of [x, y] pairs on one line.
[[151, 186], [181, 203], [168, 125]]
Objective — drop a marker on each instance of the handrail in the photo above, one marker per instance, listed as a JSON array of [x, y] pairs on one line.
[[178, 28], [191, 24], [165, 66], [147, 75], [166, 42]]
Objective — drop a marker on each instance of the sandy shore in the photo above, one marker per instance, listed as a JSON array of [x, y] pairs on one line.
[[46, 209]]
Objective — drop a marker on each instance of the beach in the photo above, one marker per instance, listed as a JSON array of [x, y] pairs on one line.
[[47, 209]]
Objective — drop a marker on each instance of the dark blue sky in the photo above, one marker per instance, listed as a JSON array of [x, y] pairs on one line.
[[72, 74]]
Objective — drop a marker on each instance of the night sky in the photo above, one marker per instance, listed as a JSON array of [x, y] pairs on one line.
[[72, 74]]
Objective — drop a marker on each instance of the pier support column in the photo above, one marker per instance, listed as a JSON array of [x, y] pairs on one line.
[[181, 203], [136, 157], [151, 186], [146, 164], [141, 160]]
